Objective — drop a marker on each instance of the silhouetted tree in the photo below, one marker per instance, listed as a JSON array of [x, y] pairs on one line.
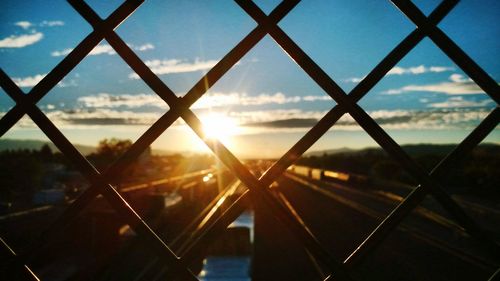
[[108, 151], [46, 153]]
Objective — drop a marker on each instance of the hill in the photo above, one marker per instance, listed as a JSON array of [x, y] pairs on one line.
[[411, 149], [15, 144]]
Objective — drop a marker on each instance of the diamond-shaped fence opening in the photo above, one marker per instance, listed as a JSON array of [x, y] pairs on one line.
[[262, 104], [223, 24], [345, 55], [437, 108], [175, 259]]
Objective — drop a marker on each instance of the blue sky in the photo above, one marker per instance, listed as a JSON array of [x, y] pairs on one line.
[[425, 98]]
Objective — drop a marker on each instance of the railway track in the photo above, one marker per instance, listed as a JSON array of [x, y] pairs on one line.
[[376, 204]]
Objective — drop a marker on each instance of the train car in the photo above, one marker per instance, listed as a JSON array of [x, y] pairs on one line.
[[335, 175], [302, 170], [316, 174], [329, 175]]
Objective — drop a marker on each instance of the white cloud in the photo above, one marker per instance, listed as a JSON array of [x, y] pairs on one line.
[[354, 79], [131, 101], [29, 81], [103, 49], [52, 23], [23, 40], [393, 91], [459, 102], [277, 98], [211, 100], [256, 116], [389, 119], [441, 68], [459, 85], [288, 119], [458, 78], [68, 83], [101, 117], [411, 70], [24, 24], [25, 121], [98, 50], [419, 119], [61, 53], [145, 47], [19, 41], [414, 70], [317, 98], [242, 99], [176, 66], [218, 100]]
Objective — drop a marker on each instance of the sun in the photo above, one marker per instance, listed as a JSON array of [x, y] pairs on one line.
[[219, 127]]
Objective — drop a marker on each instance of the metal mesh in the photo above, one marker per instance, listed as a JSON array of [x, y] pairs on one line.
[[258, 188]]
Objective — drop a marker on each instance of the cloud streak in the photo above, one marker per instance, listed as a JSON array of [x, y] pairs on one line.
[[160, 67], [420, 119], [105, 100], [101, 117], [20, 41], [212, 100], [23, 40], [46, 23], [23, 24], [286, 123], [433, 119], [51, 23], [222, 99], [459, 102], [421, 69], [61, 53], [414, 70], [145, 47], [29, 81], [284, 120], [457, 85], [104, 49], [256, 117]]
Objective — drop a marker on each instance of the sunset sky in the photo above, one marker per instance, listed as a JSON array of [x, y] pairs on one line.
[[266, 102]]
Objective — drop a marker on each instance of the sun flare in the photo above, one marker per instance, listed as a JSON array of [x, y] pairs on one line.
[[220, 127]]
